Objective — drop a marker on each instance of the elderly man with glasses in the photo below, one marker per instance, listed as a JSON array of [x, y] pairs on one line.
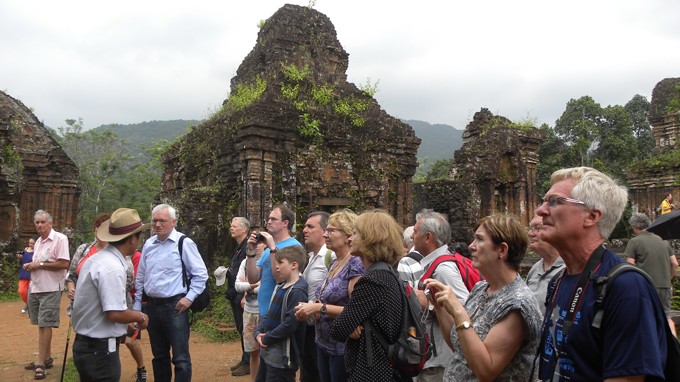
[[578, 214], [547, 267]]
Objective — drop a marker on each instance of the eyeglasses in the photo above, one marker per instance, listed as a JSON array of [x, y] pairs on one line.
[[331, 230], [534, 228], [554, 200]]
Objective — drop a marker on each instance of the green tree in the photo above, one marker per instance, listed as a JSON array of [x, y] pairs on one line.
[[440, 170], [551, 158], [100, 157], [638, 108], [578, 127], [617, 147]]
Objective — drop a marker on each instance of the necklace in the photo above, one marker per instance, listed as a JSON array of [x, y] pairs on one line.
[[335, 269]]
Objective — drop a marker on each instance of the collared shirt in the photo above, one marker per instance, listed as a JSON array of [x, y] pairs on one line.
[[447, 273], [410, 271], [159, 273], [538, 279], [101, 289], [50, 250], [316, 271]]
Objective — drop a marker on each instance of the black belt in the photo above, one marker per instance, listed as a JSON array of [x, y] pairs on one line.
[[91, 340], [162, 300]]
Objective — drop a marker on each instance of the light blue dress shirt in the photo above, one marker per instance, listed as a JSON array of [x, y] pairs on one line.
[[159, 273]]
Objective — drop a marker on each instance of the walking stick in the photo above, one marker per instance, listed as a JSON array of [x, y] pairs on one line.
[[68, 339]]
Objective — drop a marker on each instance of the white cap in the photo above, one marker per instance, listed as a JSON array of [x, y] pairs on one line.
[[220, 275]]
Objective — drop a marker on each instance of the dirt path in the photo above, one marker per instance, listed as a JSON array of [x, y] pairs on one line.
[[19, 345]]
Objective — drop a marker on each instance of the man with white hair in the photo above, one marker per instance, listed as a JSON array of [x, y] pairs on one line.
[[48, 271], [578, 213], [431, 235], [160, 283]]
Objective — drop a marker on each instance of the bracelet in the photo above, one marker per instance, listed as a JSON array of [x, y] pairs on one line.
[[250, 256]]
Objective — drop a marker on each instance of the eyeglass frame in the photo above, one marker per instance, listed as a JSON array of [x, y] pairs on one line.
[[557, 198]]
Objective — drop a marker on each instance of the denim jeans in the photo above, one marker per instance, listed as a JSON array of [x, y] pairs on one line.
[[331, 367], [168, 329], [94, 362]]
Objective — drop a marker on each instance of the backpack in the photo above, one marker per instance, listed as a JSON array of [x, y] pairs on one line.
[[672, 368], [412, 348], [202, 300], [470, 275]]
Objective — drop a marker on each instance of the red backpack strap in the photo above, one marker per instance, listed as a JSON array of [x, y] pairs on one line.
[[430, 270]]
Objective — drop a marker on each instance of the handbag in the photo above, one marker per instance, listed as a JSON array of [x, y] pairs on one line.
[[202, 300]]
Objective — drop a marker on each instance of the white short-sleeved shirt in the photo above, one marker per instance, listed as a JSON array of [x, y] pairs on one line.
[[101, 288]]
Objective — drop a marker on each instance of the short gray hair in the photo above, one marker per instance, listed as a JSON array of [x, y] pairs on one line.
[[639, 220], [598, 191], [43, 213], [435, 223], [408, 236], [171, 211], [243, 222]]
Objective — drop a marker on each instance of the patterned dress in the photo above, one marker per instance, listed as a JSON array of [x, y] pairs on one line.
[[485, 311]]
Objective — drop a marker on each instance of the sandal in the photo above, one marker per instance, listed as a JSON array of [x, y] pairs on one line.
[[48, 364], [40, 372]]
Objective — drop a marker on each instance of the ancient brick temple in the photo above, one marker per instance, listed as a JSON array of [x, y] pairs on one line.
[[649, 181], [494, 171], [294, 131], [35, 173]]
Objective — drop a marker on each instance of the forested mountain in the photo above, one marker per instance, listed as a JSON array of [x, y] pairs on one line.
[[439, 141], [149, 133]]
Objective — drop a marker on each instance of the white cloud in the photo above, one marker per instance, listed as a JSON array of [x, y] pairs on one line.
[[437, 61]]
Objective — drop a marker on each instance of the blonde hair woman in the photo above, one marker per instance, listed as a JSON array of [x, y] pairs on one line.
[[377, 240], [333, 294]]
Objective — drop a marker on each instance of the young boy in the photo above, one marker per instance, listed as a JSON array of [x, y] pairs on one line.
[[279, 334]]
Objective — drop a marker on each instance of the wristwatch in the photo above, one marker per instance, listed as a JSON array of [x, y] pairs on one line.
[[323, 309], [42, 264], [464, 325]]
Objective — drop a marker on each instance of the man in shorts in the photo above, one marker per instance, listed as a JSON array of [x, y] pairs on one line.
[[48, 271]]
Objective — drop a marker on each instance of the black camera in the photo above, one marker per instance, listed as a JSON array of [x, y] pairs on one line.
[[260, 237]]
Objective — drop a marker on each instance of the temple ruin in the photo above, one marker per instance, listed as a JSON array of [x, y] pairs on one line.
[[35, 173], [494, 171], [649, 181], [294, 131]]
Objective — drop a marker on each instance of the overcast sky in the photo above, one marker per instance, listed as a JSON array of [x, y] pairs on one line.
[[436, 61]]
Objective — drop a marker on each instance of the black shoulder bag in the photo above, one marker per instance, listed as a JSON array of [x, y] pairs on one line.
[[202, 300]]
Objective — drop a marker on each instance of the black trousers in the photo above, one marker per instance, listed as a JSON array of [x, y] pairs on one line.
[[94, 362], [309, 370]]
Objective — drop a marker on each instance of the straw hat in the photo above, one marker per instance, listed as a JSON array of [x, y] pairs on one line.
[[124, 222]]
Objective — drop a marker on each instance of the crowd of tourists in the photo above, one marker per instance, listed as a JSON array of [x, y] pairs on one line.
[[333, 307]]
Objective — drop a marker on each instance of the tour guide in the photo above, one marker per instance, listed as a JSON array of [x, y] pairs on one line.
[[99, 307]]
